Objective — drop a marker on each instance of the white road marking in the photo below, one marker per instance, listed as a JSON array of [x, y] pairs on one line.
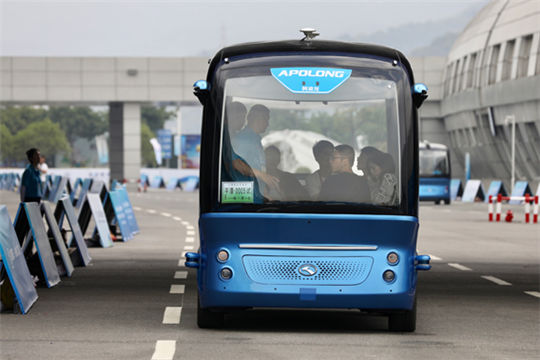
[[172, 315], [177, 218], [459, 267], [185, 223], [180, 275], [188, 247], [182, 260], [190, 232], [190, 227], [496, 280], [190, 239], [177, 289], [165, 350], [533, 293], [137, 208], [435, 258], [151, 211], [166, 214]]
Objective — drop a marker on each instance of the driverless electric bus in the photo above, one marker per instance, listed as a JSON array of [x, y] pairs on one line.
[[434, 169], [289, 217]]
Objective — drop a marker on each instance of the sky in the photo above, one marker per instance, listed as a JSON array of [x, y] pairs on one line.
[[194, 28]]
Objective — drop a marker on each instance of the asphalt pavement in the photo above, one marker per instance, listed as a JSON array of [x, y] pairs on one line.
[[137, 301]]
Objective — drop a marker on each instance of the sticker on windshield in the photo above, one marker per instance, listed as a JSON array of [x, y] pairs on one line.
[[310, 80], [237, 192]]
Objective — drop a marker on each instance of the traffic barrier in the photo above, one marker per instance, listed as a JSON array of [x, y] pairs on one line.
[[120, 214], [174, 183], [520, 189], [157, 182], [29, 228], [64, 207], [456, 189], [93, 207], [527, 200], [473, 191], [54, 230], [495, 188], [13, 261]]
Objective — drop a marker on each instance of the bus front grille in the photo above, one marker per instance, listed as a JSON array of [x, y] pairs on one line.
[[291, 270]]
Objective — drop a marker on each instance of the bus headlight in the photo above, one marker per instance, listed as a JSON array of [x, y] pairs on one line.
[[226, 273], [392, 258], [389, 276], [223, 255]]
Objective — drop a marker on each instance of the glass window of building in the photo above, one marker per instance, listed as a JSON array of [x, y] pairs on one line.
[[507, 60], [524, 56], [470, 70], [494, 59], [455, 85]]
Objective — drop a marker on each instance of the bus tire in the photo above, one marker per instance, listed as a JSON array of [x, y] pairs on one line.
[[446, 201], [403, 321], [208, 319]]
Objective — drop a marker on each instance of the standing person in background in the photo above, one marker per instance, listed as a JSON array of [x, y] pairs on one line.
[[31, 190], [43, 168]]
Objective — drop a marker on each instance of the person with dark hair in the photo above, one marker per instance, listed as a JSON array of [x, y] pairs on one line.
[[322, 151], [363, 159], [343, 185], [249, 158], [381, 171], [289, 188], [31, 190], [236, 117]]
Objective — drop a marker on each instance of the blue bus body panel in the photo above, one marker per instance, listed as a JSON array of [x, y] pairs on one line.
[[265, 260], [434, 189]]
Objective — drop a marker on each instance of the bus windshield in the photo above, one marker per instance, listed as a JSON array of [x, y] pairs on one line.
[[281, 144], [433, 163]]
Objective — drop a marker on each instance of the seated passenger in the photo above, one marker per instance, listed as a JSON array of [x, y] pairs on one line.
[[322, 151], [343, 185], [289, 188], [362, 163], [382, 175], [236, 117]]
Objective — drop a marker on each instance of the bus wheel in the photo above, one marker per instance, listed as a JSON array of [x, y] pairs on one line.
[[207, 319], [446, 201], [404, 321]]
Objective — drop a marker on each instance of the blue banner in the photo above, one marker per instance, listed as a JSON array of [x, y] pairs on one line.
[[128, 210], [165, 140], [311, 80]]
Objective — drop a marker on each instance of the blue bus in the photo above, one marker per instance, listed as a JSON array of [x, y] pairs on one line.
[[290, 215], [435, 175]]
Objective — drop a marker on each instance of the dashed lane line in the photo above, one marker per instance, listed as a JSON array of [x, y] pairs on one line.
[[180, 275], [151, 211], [190, 239], [177, 218], [185, 223], [435, 258], [164, 350], [190, 233], [177, 289], [459, 267], [172, 315], [496, 280], [188, 247], [136, 208], [190, 227], [533, 293], [166, 214]]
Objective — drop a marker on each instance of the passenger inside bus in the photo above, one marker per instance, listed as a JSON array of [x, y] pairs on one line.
[[343, 185], [289, 188], [322, 151], [236, 117], [381, 172]]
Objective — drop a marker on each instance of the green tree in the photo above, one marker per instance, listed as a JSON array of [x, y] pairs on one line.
[[6, 144], [16, 118], [44, 135], [148, 158], [155, 117], [79, 122]]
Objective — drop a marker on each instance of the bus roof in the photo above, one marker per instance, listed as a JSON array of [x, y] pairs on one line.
[[309, 46]]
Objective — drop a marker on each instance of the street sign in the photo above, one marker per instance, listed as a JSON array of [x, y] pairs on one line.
[[117, 203]]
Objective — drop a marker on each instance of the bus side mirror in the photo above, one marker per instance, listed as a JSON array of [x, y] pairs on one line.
[[419, 94], [201, 89]]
